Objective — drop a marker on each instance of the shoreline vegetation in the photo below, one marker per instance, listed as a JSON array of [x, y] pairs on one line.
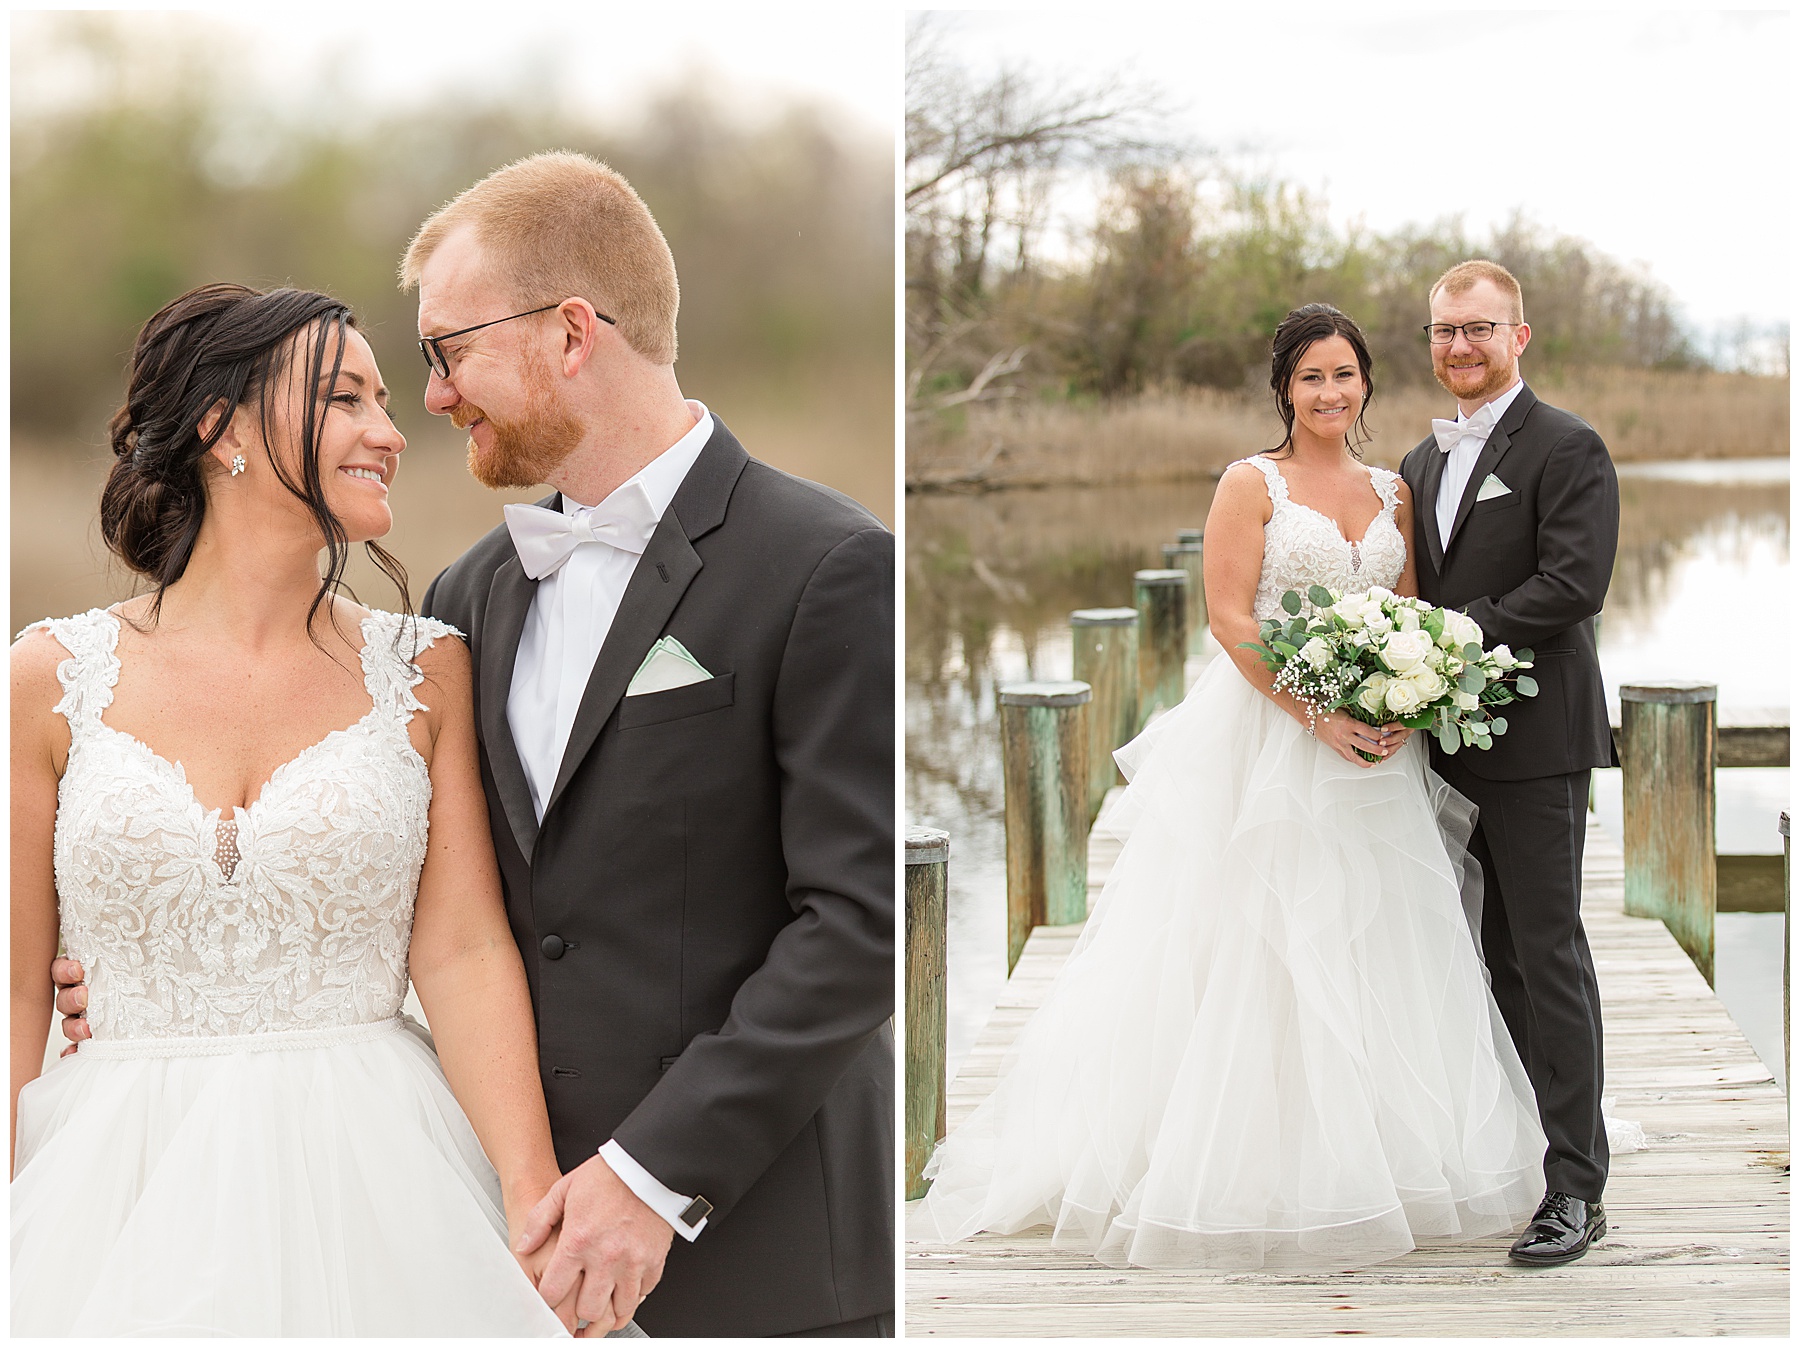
[[1091, 291], [1186, 433]]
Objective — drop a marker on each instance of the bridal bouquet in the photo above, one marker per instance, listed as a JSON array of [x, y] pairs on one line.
[[1383, 659]]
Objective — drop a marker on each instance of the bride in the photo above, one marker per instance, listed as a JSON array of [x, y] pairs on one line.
[[1274, 1045], [250, 809]]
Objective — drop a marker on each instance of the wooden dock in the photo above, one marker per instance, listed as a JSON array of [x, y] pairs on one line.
[[1699, 1220]]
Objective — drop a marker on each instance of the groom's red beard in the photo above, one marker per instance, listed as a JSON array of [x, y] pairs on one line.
[[1495, 379], [525, 452]]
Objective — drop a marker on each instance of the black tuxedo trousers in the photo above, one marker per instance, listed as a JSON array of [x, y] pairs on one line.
[[706, 910], [1531, 565]]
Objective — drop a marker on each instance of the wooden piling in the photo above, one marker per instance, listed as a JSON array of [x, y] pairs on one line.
[[1670, 737], [1105, 642], [1187, 557], [1787, 1017], [1161, 601], [927, 865], [1044, 755]]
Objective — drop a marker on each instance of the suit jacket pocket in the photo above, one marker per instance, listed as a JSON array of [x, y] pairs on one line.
[[1494, 504], [673, 703]]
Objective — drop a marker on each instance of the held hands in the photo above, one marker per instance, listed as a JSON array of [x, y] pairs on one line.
[[610, 1250], [1346, 734], [534, 1265], [71, 1001]]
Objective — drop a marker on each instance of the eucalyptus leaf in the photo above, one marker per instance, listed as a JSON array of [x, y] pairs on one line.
[[1526, 686], [1320, 596], [1472, 681], [1472, 652], [1499, 725], [1447, 740], [1524, 654], [1291, 602]]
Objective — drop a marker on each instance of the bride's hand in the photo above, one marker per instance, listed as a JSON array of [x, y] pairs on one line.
[[1345, 734], [534, 1265]]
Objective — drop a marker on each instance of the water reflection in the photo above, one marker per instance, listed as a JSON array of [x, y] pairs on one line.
[[991, 580]]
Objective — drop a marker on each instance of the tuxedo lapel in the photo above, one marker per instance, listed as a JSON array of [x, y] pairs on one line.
[[663, 574], [509, 600], [1491, 454], [1425, 504]]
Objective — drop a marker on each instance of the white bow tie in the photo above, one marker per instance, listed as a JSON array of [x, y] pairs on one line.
[[1450, 433], [545, 539]]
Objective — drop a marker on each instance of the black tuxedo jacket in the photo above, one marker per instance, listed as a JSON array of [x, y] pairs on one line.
[[1531, 568], [707, 910]]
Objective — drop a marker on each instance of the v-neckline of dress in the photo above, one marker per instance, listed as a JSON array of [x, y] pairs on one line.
[[1355, 544], [175, 769]]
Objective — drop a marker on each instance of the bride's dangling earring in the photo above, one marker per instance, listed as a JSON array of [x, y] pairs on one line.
[[237, 464]]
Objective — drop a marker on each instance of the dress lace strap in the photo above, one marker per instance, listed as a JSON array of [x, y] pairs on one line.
[[1387, 487], [392, 644], [91, 672], [1278, 492]]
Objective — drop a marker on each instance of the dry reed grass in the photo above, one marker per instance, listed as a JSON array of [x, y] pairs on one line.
[[1171, 435]]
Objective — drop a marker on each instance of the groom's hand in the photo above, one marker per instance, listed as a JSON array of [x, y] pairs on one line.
[[71, 1000], [534, 1265], [612, 1247]]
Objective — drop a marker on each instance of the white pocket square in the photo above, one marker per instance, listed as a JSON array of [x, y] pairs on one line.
[[1491, 488], [669, 665]]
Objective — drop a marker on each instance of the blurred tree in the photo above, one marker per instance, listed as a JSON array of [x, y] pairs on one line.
[[155, 179], [1189, 265]]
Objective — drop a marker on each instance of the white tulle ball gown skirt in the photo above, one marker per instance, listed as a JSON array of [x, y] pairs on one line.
[[299, 1183], [1274, 1045]]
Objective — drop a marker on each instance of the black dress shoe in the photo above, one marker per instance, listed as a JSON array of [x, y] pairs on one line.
[[1561, 1231]]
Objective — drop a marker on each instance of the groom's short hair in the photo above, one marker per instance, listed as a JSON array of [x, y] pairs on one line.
[[562, 225], [1463, 276]]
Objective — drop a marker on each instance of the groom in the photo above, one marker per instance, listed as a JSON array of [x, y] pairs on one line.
[[1517, 511], [684, 692]]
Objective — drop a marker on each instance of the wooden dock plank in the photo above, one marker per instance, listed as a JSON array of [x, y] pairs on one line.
[[1699, 1241]]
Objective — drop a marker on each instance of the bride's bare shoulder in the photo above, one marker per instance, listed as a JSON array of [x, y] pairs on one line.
[[1243, 488]]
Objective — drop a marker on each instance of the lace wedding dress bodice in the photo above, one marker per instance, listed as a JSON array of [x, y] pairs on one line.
[[1302, 547], [301, 921]]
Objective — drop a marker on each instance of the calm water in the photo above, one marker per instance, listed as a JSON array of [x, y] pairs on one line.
[[1703, 552]]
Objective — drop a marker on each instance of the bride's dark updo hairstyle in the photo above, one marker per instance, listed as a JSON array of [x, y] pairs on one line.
[[1300, 329], [225, 344]]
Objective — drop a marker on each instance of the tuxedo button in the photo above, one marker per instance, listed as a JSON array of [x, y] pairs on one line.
[[552, 946]]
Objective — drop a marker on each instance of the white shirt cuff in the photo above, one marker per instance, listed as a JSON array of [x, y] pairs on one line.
[[656, 1196]]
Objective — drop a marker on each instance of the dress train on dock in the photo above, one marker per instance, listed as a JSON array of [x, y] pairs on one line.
[[1274, 1044]]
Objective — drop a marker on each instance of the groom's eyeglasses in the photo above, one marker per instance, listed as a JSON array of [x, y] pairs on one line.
[[1442, 334], [432, 348]]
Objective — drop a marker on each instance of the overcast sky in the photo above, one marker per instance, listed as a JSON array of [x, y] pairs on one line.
[[1660, 136], [608, 57]]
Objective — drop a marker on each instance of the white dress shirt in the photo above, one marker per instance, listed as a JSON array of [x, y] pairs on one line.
[[1460, 461], [570, 614]]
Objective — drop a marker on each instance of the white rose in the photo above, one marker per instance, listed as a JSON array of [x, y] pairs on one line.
[[1380, 623], [1503, 656], [1461, 628], [1380, 592], [1316, 653], [1405, 649], [1402, 698], [1372, 696], [1466, 701], [1408, 619], [1353, 609], [1426, 681]]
